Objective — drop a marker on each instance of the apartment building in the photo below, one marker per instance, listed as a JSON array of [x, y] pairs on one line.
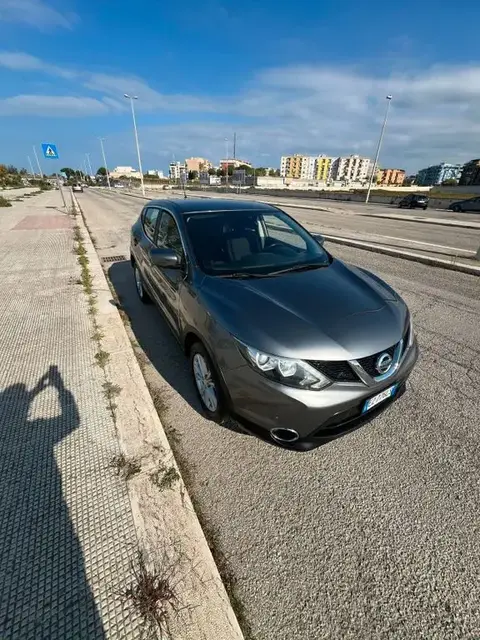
[[176, 170], [390, 177], [322, 168], [351, 169], [197, 164], [305, 167], [471, 173], [437, 173]]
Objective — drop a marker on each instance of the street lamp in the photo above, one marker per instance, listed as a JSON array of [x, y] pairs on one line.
[[105, 161], [226, 166], [132, 98], [89, 164], [388, 99]]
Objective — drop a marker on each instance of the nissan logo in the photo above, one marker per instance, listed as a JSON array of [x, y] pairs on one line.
[[384, 362]]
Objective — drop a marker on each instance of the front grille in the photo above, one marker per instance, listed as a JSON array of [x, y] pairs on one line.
[[369, 362], [337, 371]]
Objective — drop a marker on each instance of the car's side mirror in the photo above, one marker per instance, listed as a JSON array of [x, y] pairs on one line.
[[319, 238], [165, 258]]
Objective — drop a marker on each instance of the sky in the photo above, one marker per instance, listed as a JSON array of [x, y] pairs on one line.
[[301, 77]]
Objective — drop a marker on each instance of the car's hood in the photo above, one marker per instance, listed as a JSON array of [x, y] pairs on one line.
[[334, 313]]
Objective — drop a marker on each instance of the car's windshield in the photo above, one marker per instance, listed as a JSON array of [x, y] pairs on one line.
[[251, 242]]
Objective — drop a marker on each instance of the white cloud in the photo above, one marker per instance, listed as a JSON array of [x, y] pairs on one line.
[[35, 13], [25, 62], [52, 106]]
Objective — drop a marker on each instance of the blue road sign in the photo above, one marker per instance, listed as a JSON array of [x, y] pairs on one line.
[[49, 151]]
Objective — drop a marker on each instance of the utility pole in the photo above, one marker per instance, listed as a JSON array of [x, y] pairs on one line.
[[38, 162], [234, 146], [105, 162], [382, 131]]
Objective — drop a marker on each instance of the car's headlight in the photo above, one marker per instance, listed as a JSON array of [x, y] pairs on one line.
[[294, 373], [411, 335]]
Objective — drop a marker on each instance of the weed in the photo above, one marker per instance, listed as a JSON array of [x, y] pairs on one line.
[[97, 335], [111, 390], [4, 202], [153, 595], [158, 401], [102, 358], [125, 467], [165, 478]]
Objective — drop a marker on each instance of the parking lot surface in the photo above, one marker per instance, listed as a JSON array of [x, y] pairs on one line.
[[376, 534]]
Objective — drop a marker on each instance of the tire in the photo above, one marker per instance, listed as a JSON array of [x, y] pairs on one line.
[[456, 208], [211, 398], [139, 286], [424, 208]]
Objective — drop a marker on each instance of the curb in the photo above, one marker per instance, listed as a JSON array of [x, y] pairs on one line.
[[165, 520], [367, 246], [406, 255]]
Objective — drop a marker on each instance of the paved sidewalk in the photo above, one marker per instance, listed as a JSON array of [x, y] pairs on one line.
[[66, 528]]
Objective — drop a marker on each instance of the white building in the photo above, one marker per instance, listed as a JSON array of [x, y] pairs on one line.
[[128, 172], [349, 169], [176, 170], [155, 172], [307, 171]]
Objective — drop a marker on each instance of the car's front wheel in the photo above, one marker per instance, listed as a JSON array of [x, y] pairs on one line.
[[139, 286], [456, 208], [206, 383]]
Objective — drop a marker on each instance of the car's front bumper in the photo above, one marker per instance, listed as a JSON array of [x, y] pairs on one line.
[[260, 405]]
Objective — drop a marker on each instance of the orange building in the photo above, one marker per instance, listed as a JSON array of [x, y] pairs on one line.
[[390, 177]]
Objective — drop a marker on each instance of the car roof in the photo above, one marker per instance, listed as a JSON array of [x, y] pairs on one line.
[[184, 206]]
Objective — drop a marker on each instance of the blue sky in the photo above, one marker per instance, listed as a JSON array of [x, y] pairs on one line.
[[307, 77]]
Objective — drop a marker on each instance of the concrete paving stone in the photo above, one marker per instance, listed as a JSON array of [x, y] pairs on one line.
[[66, 532]]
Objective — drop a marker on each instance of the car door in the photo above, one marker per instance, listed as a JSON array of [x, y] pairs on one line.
[[474, 204], [168, 282], [144, 242]]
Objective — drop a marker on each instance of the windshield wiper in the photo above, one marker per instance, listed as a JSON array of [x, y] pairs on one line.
[[298, 267], [243, 275]]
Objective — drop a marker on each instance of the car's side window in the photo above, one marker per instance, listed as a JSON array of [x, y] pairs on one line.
[[150, 217], [169, 234], [279, 231]]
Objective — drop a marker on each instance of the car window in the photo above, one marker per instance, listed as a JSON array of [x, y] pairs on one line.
[[168, 234], [251, 242], [150, 217], [278, 230]]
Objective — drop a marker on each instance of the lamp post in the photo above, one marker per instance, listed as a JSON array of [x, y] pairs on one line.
[[382, 131], [226, 165], [105, 162], [38, 162], [132, 98]]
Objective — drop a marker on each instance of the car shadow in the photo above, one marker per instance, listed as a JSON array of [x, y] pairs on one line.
[[44, 592], [156, 340]]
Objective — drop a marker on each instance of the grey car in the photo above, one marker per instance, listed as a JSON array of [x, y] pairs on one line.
[[471, 204], [296, 345]]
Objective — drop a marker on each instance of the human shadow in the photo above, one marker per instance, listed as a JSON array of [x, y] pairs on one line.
[[44, 592]]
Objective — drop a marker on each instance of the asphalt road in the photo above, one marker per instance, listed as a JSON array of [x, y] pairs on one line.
[[375, 535]]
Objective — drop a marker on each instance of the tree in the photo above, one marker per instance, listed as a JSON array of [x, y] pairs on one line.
[[450, 182], [193, 175], [68, 172], [260, 171], [220, 172], [11, 169], [212, 172], [101, 171]]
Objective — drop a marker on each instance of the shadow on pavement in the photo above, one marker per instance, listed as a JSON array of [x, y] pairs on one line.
[[156, 339], [44, 593]]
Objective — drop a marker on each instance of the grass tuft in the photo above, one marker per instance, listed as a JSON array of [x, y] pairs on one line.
[[165, 478], [125, 467]]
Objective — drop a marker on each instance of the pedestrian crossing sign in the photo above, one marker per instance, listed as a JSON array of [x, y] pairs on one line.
[[49, 151]]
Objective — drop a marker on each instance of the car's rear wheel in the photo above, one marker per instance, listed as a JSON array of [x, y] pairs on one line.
[[456, 208], [139, 286], [206, 383]]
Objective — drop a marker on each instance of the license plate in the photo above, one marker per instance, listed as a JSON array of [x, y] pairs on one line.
[[380, 397]]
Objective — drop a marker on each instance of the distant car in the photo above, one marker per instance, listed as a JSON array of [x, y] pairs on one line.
[[298, 346], [414, 201], [472, 204], [78, 188]]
